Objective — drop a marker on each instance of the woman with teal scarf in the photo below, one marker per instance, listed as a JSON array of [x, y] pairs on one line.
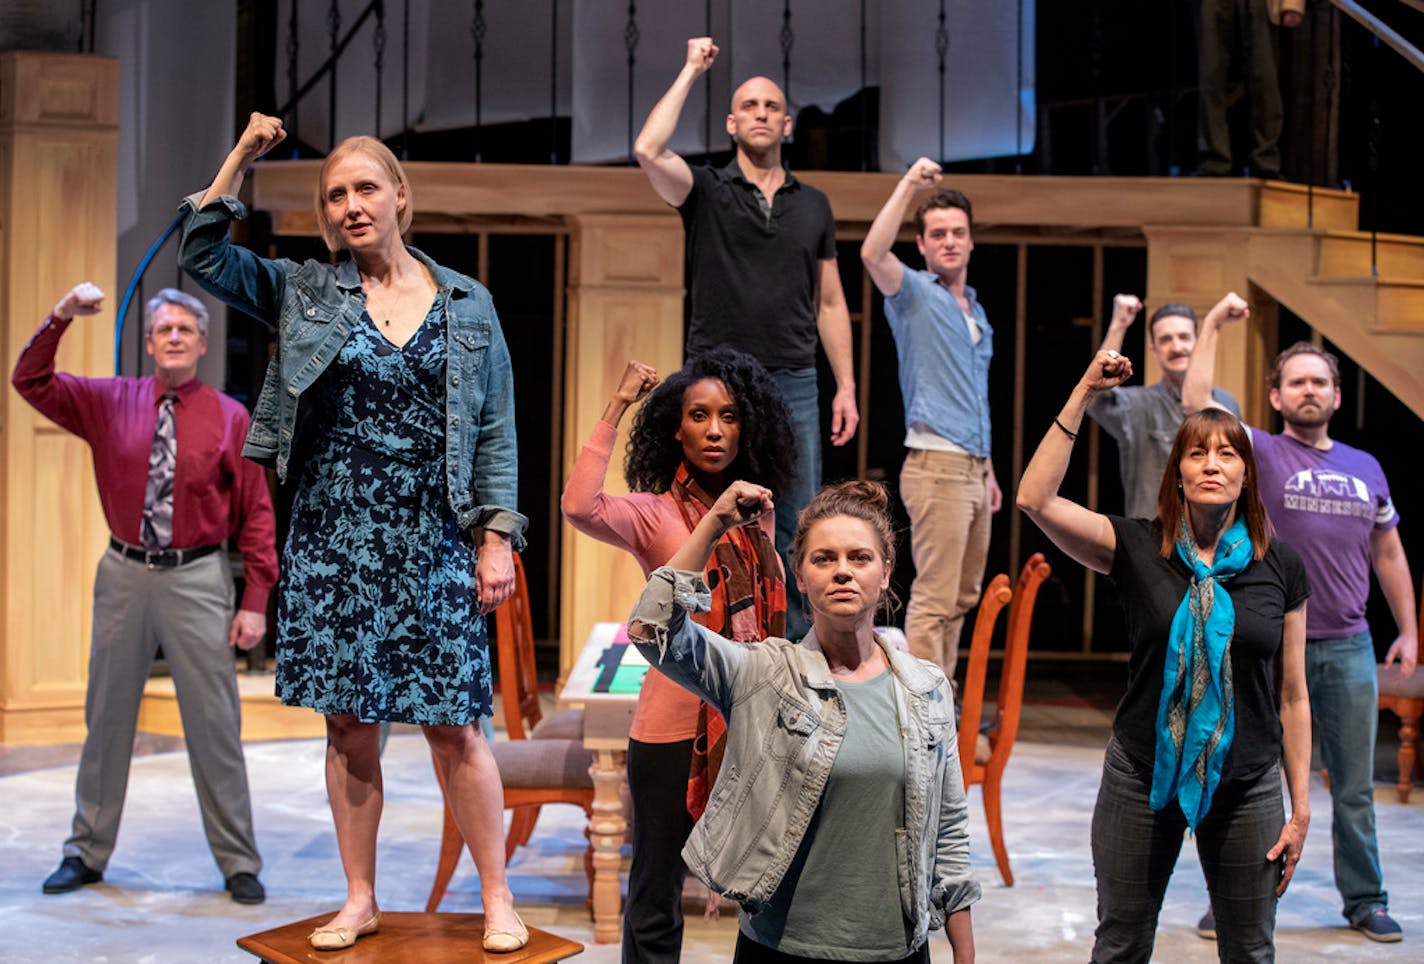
[[1216, 704]]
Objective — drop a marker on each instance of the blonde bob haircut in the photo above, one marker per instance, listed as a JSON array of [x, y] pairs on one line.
[[382, 155]]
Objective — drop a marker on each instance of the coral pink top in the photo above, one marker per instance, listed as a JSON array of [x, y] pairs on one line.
[[650, 527]]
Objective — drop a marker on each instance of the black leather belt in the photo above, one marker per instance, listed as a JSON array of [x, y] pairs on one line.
[[161, 558]]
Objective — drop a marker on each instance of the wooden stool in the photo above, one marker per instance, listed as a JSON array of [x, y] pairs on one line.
[[1404, 697], [405, 938]]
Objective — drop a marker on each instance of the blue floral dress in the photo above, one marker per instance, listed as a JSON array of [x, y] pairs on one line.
[[378, 615]]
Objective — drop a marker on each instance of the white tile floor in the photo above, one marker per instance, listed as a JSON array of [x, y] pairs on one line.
[[161, 899]]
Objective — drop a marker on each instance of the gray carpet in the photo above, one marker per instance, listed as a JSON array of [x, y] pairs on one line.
[[162, 899]]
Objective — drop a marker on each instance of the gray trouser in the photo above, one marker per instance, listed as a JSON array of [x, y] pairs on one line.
[[187, 611]]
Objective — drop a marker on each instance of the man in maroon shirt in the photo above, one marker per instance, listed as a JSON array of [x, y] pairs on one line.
[[174, 486]]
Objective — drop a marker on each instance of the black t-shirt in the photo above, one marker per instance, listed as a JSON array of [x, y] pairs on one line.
[[1151, 588], [752, 280]]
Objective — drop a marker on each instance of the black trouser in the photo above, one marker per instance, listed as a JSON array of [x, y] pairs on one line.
[[657, 783], [750, 952]]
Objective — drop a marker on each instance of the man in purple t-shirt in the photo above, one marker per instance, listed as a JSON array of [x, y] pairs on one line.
[[1331, 503]]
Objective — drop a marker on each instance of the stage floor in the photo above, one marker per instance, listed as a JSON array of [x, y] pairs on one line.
[[162, 899]]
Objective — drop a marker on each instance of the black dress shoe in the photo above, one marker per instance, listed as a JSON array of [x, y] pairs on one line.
[[246, 888], [71, 875]]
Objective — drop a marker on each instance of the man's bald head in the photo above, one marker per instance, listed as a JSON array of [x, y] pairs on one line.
[[759, 87], [759, 119]]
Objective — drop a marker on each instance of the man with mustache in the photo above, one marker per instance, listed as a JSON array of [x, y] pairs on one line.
[[1331, 502], [1143, 419], [761, 270]]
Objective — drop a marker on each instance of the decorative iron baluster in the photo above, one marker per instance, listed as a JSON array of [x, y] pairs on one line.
[[293, 47], [941, 42], [378, 40], [788, 37], [333, 30], [864, 97], [1018, 94], [630, 42], [405, 81], [477, 33], [707, 95], [553, 81]]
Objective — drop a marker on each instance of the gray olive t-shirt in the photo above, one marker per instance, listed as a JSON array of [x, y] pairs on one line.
[[840, 898]]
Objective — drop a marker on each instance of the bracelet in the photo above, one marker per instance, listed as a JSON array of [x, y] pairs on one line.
[[1072, 436]]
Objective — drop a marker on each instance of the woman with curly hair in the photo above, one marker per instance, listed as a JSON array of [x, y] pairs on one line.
[[840, 822], [719, 418]]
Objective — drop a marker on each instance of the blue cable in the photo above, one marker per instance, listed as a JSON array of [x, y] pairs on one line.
[[133, 286]]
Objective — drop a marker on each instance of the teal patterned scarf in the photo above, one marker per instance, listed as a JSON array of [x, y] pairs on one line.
[[1196, 716]]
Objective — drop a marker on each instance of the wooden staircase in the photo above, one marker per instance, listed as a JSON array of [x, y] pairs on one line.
[[1323, 274]]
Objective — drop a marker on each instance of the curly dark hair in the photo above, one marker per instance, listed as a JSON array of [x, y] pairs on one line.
[[766, 452]]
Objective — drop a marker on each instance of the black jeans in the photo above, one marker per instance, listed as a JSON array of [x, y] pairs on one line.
[[1135, 849], [652, 917], [750, 952]]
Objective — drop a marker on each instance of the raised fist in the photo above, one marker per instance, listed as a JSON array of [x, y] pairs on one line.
[[262, 134], [637, 381], [701, 51], [82, 299], [924, 173]]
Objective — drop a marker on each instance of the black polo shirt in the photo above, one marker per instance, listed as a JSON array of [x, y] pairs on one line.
[[752, 274]]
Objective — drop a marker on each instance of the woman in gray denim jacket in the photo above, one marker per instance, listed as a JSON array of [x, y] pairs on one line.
[[390, 404], [839, 819]]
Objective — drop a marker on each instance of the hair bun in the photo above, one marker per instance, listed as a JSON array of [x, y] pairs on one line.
[[873, 495]]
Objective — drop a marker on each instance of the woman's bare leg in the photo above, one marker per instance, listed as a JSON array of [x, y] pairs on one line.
[[476, 796], [355, 790]]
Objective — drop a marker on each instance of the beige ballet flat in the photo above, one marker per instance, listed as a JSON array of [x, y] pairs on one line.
[[339, 938], [502, 942]]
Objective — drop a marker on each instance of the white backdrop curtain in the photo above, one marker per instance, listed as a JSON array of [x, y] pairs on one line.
[[983, 92]]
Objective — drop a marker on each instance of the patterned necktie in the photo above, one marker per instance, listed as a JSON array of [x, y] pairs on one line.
[[158, 494]]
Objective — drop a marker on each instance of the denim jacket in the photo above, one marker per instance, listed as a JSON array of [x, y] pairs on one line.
[[314, 307], [785, 722]]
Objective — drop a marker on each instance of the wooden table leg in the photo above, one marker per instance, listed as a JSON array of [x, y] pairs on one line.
[[606, 828]]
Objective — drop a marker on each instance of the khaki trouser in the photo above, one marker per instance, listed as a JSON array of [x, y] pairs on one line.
[[947, 497], [187, 611]]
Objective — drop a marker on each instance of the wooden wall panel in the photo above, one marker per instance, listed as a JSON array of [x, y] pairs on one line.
[[625, 301], [1196, 266], [58, 179]]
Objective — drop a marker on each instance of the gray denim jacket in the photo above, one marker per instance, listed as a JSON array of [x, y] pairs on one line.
[[785, 722], [314, 307]]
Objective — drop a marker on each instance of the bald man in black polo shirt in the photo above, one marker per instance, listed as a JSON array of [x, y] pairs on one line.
[[761, 270]]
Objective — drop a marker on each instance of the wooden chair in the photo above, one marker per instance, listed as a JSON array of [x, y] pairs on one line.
[[544, 761], [1005, 727], [1404, 697]]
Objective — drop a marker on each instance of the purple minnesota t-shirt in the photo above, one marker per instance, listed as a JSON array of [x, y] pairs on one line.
[[1325, 504]]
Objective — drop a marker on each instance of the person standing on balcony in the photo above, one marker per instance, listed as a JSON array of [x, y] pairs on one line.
[[1143, 419], [174, 486], [1331, 502], [1248, 27], [761, 270], [944, 344]]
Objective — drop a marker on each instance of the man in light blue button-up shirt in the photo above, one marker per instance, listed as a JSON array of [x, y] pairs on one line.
[[944, 344]]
